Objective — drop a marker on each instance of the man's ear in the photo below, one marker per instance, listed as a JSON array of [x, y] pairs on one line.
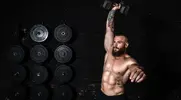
[[127, 44]]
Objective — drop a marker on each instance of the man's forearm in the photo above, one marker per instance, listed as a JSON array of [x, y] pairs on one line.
[[110, 20]]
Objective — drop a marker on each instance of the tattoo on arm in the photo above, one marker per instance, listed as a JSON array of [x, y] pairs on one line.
[[110, 19]]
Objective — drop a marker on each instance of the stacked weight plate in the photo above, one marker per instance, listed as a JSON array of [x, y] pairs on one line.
[[34, 73]]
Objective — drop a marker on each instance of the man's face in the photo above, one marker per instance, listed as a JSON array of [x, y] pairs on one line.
[[119, 46]]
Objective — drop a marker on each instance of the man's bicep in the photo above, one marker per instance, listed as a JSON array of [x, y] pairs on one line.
[[108, 40], [105, 57]]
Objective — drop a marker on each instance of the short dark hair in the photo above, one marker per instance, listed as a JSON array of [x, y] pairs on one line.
[[121, 35]]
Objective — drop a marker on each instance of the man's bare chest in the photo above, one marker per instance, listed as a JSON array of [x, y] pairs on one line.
[[116, 66]]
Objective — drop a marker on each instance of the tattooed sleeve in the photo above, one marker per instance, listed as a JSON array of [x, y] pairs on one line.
[[110, 19]]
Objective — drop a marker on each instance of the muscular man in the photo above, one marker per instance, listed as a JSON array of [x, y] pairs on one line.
[[118, 65]]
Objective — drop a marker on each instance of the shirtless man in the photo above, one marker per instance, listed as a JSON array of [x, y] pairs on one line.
[[118, 66]]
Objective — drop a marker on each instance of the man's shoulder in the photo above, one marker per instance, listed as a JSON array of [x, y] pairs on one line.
[[130, 60], [127, 56]]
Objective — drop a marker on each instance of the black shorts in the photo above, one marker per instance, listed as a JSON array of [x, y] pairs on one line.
[[102, 96]]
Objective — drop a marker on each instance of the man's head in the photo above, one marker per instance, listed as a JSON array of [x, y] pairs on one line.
[[120, 43]]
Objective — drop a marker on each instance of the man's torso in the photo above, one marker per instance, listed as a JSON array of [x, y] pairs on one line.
[[115, 74]]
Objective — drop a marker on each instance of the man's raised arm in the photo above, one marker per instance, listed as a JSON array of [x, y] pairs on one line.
[[110, 27]]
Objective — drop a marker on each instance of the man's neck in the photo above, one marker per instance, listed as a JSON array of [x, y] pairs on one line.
[[120, 57]]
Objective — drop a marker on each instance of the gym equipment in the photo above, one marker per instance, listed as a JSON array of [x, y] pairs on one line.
[[63, 33], [63, 74], [16, 54], [39, 93], [63, 92], [17, 93], [19, 74], [39, 33], [38, 74], [109, 4], [39, 53], [63, 54]]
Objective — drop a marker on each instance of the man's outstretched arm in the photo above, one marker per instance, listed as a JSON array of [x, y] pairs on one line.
[[110, 27], [137, 73]]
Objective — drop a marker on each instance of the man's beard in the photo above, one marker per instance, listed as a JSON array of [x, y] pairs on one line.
[[119, 52]]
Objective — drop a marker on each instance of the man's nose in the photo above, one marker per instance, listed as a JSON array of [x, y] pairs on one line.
[[116, 44]]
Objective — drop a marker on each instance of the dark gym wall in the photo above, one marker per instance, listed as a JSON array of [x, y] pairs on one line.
[[148, 26]]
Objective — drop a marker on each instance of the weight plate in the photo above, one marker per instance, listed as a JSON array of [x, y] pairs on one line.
[[63, 33], [39, 33], [38, 74], [39, 93], [19, 74], [39, 53], [63, 74], [16, 53], [63, 54], [62, 93]]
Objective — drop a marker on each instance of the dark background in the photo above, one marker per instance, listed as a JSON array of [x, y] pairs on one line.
[[152, 27]]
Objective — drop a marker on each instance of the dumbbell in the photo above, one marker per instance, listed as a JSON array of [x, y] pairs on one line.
[[109, 4]]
